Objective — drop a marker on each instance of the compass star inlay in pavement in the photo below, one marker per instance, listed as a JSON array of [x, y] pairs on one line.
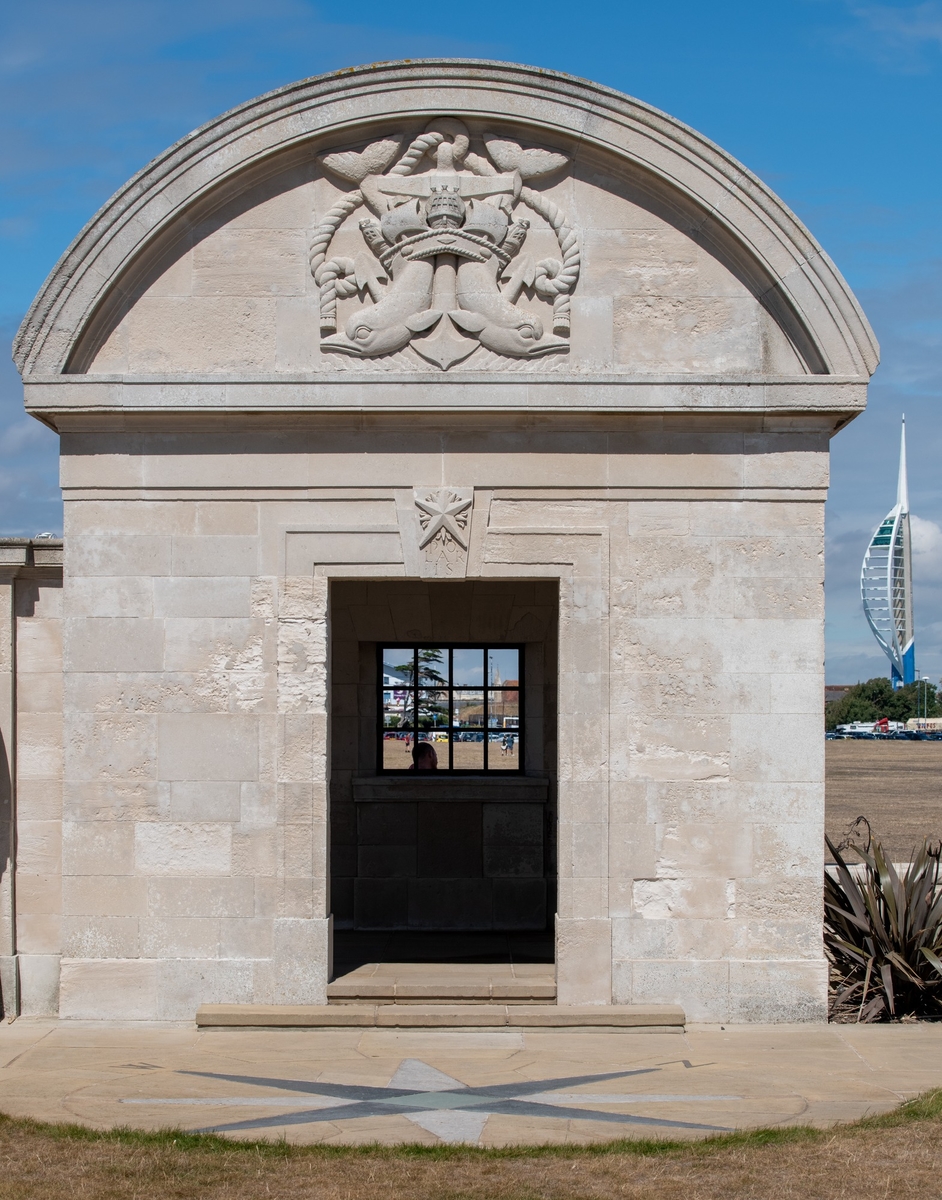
[[440, 1104]]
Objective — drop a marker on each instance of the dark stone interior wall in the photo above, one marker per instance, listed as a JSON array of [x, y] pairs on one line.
[[440, 864]]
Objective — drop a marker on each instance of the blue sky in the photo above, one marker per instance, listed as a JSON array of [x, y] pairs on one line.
[[835, 104]]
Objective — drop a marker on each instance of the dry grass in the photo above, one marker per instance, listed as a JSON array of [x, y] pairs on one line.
[[898, 1155], [897, 786]]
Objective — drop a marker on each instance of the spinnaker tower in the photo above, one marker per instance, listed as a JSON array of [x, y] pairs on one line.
[[886, 582]]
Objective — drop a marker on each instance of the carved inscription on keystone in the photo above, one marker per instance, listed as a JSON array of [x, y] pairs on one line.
[[444, 264], [444, 520]]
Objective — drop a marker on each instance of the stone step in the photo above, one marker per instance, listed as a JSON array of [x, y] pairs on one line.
[[659, 1018], [445, 983], [440, 992]]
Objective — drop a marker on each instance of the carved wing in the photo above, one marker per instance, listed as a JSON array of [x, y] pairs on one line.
[[510, 156], [354, 166]]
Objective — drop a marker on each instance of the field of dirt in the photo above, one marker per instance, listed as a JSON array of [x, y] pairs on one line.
[[469, 756], [897, 786]]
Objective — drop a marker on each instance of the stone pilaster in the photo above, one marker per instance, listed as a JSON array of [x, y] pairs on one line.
[[13, 553]]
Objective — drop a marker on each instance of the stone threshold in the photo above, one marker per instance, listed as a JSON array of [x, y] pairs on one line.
[[442, 995], [445, 983], [653, 1018]]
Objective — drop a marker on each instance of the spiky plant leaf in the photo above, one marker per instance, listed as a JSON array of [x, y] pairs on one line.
[[883, 930]]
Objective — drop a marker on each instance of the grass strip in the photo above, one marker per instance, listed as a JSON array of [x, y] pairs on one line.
[[897, 1155], [926, 1107]]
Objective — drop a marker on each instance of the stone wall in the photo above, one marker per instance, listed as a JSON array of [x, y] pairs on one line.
[[189, 860], [688, 757], [39, 792], [31, 754], [718, 759]]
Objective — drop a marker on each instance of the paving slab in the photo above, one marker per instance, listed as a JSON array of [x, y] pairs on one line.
[[490, 1087]]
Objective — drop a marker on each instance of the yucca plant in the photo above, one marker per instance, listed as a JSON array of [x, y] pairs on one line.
[[883, 933]]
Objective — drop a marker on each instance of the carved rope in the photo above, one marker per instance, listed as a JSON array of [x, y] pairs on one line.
[[555, 278], [335, 277], [552, 278], [475, 239], [327, 274], [416, 152]]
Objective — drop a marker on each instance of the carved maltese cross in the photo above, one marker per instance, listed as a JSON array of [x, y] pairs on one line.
[[445, 512]]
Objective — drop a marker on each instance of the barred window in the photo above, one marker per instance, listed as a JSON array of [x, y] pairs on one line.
[[466, 700]]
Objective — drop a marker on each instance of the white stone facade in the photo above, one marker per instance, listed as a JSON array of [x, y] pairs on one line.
[[651, 478]]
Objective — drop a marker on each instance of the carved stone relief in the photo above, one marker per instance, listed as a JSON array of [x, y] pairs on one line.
[[435, 527], [444, 518], [443, 515], [444, 262]]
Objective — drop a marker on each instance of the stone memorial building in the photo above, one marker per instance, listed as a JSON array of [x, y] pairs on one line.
[[444, 401]]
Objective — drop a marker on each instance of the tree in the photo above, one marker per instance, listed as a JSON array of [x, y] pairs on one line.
[[875, 699], [432, 708], [429, 674]]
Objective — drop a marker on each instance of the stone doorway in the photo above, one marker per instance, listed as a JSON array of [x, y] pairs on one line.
[[456, 866]]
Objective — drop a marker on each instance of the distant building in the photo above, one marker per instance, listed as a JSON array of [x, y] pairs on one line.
[[886, 582], [836, 691], [392, 683], [926, 724]]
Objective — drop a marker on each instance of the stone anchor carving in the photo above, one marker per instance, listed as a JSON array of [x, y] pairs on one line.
[[445, 269]]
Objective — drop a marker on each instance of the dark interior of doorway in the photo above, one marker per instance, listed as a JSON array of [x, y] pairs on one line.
[[353, 949], [454, 886]]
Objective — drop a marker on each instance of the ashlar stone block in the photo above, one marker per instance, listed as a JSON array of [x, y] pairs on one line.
[[113, 644], [226, 596], [38, 933], [102, 989], [207, 746], [97, 848], [39, 985], [104, 896], [584, 961], [186, 849]]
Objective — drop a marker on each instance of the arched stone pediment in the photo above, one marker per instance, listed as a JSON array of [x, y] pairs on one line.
[[544, 225]]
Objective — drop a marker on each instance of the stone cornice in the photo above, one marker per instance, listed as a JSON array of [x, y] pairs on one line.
[[30, 556], [732, 208], [56, 399]]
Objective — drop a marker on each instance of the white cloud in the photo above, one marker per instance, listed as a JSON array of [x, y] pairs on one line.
[[29, 467], [917, 23], [927, 549], [896, 38], [22, 435]]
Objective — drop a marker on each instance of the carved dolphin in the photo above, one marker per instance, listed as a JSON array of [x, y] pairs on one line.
[[498, 324], [389, 325]]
